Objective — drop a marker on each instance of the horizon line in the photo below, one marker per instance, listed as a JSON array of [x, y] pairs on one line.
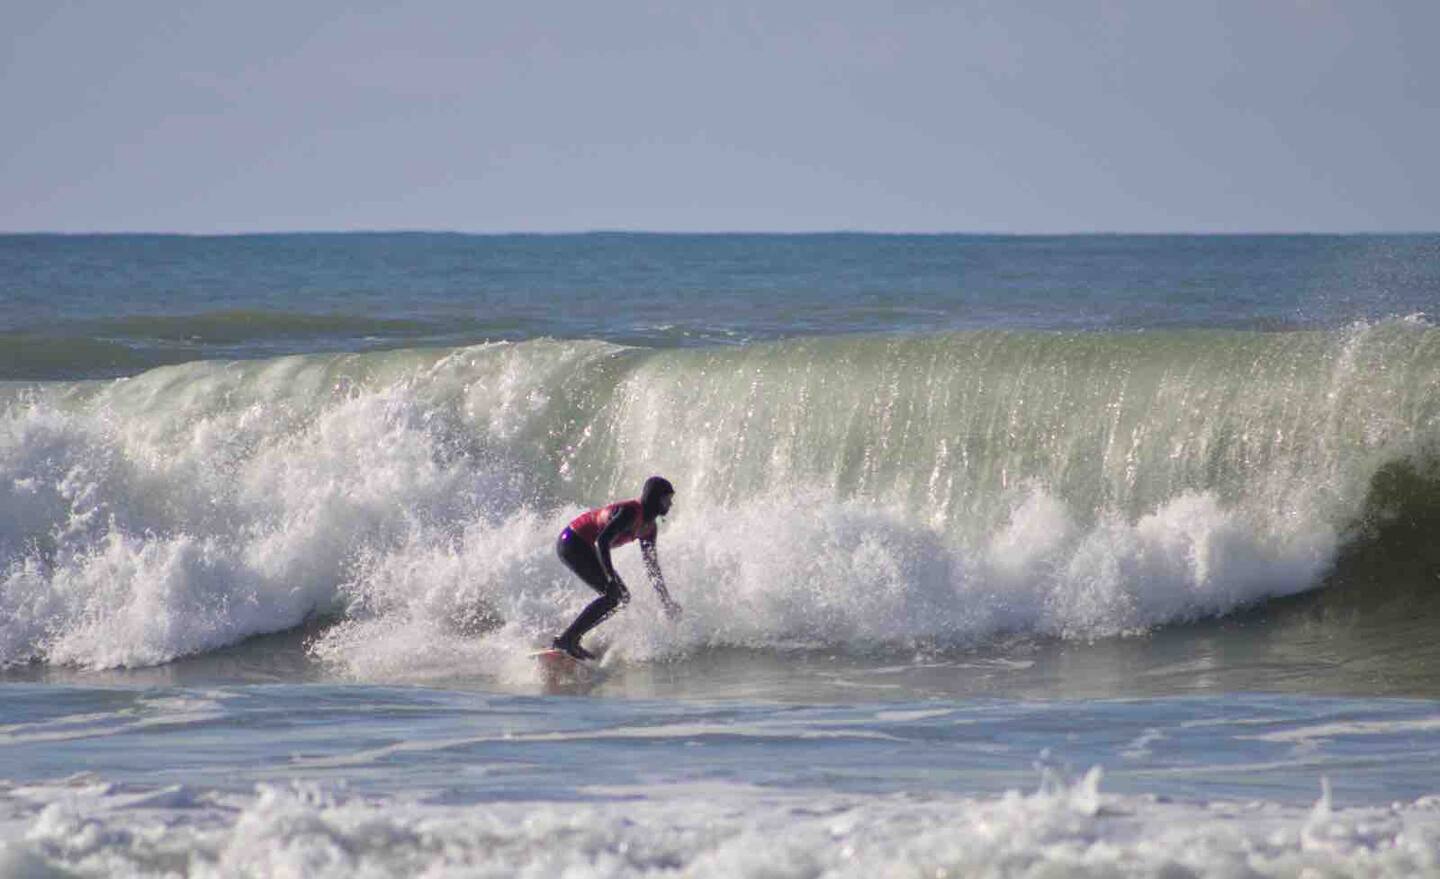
[[618, 232]]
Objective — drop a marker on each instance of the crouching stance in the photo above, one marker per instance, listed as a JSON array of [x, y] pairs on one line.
[[584, 546]]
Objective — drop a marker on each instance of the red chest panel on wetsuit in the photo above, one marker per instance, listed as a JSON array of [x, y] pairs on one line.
[[588, 525]]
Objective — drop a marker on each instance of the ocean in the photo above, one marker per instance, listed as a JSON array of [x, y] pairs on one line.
[[999, 556]]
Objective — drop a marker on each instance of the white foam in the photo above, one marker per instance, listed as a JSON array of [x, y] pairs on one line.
[[818, 572], [715, 830], [814, 572], [190, 507]]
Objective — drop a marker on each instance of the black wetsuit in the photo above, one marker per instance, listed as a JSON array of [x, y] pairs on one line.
[[591, 561], [580, 556]]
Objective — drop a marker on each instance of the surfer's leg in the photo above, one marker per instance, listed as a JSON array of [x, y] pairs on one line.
[[579, 557], [595, 613]]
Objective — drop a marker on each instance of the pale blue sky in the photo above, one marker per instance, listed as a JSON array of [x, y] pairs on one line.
[[1248, 115]]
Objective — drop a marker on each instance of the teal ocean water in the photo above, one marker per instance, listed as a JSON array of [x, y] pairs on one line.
[[1102, 555]]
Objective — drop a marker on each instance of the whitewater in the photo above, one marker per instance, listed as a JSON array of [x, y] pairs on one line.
[[872, 492], [1057, 590]]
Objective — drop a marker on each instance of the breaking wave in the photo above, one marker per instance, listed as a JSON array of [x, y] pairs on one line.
[[862, 491]]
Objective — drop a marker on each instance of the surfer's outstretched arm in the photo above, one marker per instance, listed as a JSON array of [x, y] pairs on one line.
[[657, 578]]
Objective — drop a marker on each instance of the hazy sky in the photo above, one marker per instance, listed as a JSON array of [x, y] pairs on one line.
[[1134, 115]]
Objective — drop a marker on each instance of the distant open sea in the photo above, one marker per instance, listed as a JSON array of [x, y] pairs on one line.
[[1007, 556]]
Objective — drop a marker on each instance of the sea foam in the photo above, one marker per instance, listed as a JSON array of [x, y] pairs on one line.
[[1065, 827]]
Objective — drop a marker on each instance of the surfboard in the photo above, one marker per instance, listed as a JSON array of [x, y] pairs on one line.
[[559, 666]]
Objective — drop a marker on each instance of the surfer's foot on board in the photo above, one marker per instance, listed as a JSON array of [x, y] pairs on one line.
[[574, 650]]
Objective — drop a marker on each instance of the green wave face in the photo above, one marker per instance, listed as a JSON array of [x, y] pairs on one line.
[[948, 425]]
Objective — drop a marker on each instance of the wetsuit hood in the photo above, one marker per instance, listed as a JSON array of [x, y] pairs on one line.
[[656, 487]]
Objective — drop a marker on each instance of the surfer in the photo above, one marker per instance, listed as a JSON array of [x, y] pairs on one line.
[[584, 546]]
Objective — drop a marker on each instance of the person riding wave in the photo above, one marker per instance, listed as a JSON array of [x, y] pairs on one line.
[[584, 546]]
